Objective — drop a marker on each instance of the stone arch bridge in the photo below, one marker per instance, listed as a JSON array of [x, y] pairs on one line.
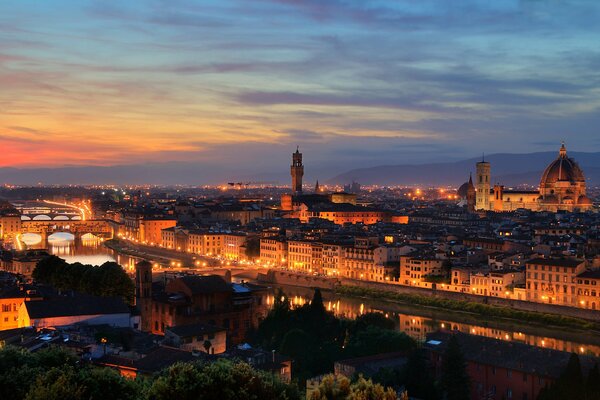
[[78, 228]]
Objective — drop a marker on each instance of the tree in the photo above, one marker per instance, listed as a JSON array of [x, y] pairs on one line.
[[417, 377], [339, 388], [316, 305], [367, 390], [376, 319], [54, 373], [207, 345], [109, 279], [220, 380], [332, 388], [374, 340], [253, 247], [592, 385], [455, 381], [569, 385], [91, 383]]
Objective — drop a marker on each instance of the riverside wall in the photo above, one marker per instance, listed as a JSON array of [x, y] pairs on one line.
[[297, 279], [312, 281], [592, 315]]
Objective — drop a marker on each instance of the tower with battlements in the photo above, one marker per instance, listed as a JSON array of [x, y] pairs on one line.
[[297, 171]]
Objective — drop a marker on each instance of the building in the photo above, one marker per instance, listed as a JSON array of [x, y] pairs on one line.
[[10, 224], [370, 365], [498, 283], [588, 290], [415, 269], [300, 255], [367, 260], [553, 280], [273, 251], [482, 193], [467, 193], [193, 299], [11, 299], [198, 337], [562, 187], [234, 246], [151, 229], [334, 256], [146, 227], [503, 369], [297, 171], [24, 262], [69, 310]]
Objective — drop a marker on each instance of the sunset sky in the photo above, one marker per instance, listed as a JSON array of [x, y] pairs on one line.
[[240, 82]]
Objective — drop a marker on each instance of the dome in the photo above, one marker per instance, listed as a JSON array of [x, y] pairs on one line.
[[463, 190], [584, 201], [562, 169]]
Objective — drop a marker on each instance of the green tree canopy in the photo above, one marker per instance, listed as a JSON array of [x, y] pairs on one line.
[[339, 388], [220, 380], [108, 279]]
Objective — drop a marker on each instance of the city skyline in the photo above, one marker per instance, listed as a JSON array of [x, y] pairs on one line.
[[366, 84]]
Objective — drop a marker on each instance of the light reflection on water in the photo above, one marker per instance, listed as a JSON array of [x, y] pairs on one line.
[[89, 250], [417, 326]]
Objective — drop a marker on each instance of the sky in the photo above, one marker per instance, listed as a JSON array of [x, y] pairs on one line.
[[240, 84]]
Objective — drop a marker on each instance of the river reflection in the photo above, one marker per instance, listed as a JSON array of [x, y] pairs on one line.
[[89, 249], [417, 325]]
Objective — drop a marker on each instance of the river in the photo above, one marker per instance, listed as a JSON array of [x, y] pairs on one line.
[[416, 321]]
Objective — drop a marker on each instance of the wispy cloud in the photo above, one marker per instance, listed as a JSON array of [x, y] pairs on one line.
[[366, 81]]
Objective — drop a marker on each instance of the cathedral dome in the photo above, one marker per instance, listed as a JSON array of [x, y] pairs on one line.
[[463, 190], [584, 201], [563, 169]]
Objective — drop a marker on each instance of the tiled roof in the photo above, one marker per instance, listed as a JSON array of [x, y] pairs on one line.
[[75, 305]]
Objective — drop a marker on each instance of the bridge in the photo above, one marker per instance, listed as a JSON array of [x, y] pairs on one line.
[[78, 228], [46, 210]]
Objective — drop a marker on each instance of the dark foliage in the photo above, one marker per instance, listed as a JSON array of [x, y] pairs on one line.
[[108, 279], [455, 380], [314, 338]]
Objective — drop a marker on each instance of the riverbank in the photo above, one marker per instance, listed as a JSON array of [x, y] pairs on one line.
[[164, 257], [546, 316], [485, 310]]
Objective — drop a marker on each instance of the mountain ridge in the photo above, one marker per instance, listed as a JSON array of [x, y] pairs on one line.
[[506, 168]]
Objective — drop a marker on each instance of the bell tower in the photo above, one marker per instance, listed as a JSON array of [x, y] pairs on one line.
[[482, 185], [297, 171]]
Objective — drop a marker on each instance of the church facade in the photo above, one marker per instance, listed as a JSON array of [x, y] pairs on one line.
[[562, 187]]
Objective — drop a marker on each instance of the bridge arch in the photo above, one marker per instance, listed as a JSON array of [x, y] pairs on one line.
[[76, 218], [61, 218], [31, 239], [61, 237], [25, 218], [42, 217]]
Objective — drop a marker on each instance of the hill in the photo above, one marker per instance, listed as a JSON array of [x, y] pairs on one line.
[[508, 169]]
